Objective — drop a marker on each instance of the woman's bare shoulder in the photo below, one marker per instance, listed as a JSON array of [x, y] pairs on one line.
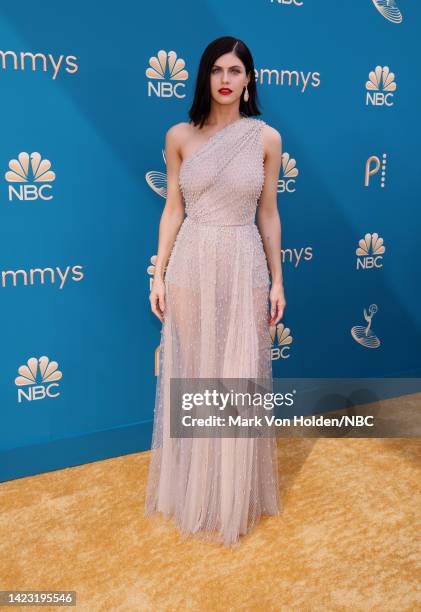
[[177, 135], [178, 130], [272, 140], [271, 134]]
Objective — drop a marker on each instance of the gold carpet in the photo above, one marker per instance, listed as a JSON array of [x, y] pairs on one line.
[[348, 537]]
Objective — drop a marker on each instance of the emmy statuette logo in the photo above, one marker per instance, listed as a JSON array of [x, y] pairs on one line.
[[364, 335], [157, 180], [389, 10]]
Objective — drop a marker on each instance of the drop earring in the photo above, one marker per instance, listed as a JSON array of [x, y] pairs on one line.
[[246, 94]]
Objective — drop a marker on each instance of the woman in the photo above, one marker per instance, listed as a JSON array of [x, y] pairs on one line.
[[222, 170]]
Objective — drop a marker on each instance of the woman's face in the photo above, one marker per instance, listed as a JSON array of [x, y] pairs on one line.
[[229, 73]]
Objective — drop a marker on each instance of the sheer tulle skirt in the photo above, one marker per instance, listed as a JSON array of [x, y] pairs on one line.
[[216, 325]]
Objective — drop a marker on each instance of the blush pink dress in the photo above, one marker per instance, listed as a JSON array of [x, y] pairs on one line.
[[217, 289]]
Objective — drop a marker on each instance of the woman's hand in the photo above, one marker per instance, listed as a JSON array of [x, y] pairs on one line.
[[157, 298], [277, 304]]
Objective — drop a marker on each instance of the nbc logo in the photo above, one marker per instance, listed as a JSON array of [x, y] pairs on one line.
[[380, 85], [166, 72], [389, 10], [294, 2], [364, 335], [282, 335], [373, 166], [20, 173], [289, 173], [38, 379], [369, 252]]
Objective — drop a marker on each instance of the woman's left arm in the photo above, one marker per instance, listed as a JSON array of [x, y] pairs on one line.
[[269, 222]]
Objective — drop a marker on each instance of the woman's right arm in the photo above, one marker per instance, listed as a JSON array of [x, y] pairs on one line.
[[171, 219]]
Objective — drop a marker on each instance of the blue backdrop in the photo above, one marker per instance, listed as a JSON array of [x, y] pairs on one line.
[[88, 93]]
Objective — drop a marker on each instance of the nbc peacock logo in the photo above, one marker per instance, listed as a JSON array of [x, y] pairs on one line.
[[369, 252], [289, 170], [38, 379], [298, 3], [280, 335], [389, 10], [30, 177], [166, 74], [380, 87]]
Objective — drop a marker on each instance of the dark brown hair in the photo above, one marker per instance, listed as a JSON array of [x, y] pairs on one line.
[[200, 108]]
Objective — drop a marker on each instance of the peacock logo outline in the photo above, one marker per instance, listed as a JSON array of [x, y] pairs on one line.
[[35, 368], [381, 79], [282, 335], [19, 169], [164, 62], [289, 173], [369, 251]]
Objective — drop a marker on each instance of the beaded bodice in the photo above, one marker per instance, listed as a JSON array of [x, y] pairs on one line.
[[222, 181]]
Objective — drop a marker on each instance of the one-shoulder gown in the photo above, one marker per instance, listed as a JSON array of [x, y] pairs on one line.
[[216, 325]]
